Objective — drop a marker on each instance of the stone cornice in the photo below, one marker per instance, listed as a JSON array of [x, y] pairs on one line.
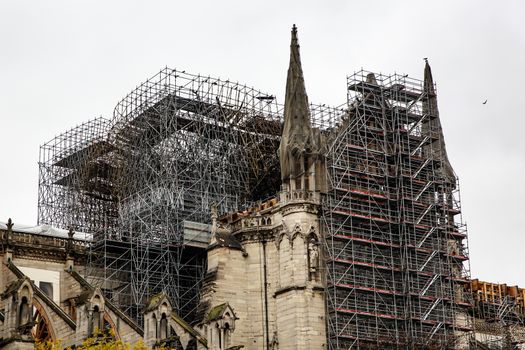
[[314, 288], [258, 234], [43, 247], [300, 207]]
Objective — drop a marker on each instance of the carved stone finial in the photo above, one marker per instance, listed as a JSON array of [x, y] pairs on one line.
[[69, 247], [214, 211], [428, 84], [9, 232], [10, 225], [70, 232]]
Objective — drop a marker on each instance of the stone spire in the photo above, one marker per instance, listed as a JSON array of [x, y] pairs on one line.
[[432, 125], [297, 132]]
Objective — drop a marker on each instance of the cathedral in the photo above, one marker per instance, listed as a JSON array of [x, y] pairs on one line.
[[216, 220]]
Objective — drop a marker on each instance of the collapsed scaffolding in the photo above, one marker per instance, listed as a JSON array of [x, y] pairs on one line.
[[396, 254], [143, 182]]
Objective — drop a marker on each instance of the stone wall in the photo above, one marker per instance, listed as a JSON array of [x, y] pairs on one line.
[[289, 313]]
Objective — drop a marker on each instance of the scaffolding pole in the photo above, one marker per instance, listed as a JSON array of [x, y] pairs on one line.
[[143, 182], [397, 260]]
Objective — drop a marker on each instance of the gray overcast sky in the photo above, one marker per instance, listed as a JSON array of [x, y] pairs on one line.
[[64, 62]]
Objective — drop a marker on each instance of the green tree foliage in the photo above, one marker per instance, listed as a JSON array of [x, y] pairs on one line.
[[99, 341]]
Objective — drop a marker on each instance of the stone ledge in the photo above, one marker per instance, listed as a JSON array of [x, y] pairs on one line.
[[288, 289]]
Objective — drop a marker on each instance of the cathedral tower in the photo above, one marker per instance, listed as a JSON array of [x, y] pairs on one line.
[[264, 263]]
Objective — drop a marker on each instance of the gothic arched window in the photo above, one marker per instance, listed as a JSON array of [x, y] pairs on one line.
[[96, 319], [24, 312], [41, 331], [219, 335], [227, 335], [153, 328], [163, 327]]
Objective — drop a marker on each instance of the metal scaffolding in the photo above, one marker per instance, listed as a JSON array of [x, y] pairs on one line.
[[397, 259], [143, 183], [72, 187], [395, 245]]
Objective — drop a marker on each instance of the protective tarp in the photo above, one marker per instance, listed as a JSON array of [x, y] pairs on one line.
[[46, 230]]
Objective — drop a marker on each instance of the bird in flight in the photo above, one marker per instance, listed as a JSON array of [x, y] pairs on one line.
[[485, 102]]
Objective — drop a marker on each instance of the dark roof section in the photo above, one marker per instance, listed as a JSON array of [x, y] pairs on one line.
[[216, 312]]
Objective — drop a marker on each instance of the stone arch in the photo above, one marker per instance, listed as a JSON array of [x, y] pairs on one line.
[[23, 312], [164, 330], [96, 319], [23, 308], [96, 312], [279, 238], [218, 336], [227, 334], [43, 329], [106, 319], [297, 258], [312, 237], [164, 308], [297, 230], [153, 330], [283, 256]]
